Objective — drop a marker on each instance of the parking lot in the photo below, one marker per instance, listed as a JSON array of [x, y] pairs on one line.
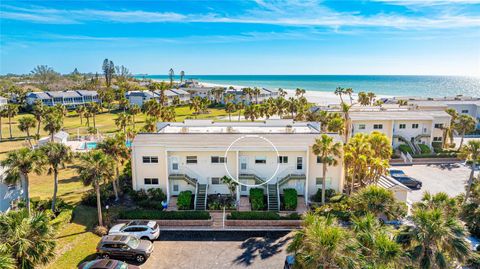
[[205, 249], [437, 178]]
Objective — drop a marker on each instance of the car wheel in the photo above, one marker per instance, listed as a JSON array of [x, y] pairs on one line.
[[140, 258], [105, 256], [144, 238], [418, 186]]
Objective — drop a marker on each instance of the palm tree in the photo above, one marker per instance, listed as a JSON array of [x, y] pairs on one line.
[[93, 109], [218, 94], [96, 167], [182, 75], [230, 108], [282, 93], [248, 92], [281, 105], [122, 121], [195, 105], [25, 124], [378, 201], [323, 243], [229, 97], [340, 91], [134, 110], [53, 123], [38, 112], [81, 113], [171, 74], [292, 106], [3, 114], [363, 99], [299, 92], [152, 108], [448, 130], [251, 112], [56, 156], [150, 124], [256, 92], [346, 117], [12, 111], [349, 92], [371, 97], [435, 240], [176, 100], [20, 164], [465, 124], [471, 152], [327, 151], [116, 148], [239, 106], [61, 109], [28, 240], [204, 103]]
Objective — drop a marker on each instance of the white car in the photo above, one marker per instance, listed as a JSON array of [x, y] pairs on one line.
[[143, 229]]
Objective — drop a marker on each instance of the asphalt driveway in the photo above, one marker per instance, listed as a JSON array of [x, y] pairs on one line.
[[437, 178], [219, 250]]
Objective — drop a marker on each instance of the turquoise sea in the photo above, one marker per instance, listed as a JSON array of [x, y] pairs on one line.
[[431, 86]]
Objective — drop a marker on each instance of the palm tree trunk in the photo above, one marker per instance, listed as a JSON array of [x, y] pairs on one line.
[[230, 116], [25, 186], [81, 119], [133, 119], [10, 126], [239, 111], [114, 183], [94, 124], [324, 180], [1, 136], [99, 204], [461, 140], [38, 127], [470, 180], [55, 189], [28, 137]]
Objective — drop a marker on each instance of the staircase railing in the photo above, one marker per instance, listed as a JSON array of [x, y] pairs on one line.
[[268, 197], [278, 197], [206, 195], [409, 157], [196, 197]]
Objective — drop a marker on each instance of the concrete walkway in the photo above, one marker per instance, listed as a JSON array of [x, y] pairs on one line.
[[244, 204], [172, 204]]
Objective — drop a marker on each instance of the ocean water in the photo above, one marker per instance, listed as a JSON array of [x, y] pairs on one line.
[[425, 86]]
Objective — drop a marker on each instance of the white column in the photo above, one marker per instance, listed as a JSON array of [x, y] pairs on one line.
[[237, 174], [307, 165], [166, 176]]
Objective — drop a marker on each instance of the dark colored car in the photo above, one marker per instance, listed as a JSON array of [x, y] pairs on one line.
[[289, 262], [408, 181], [398, 173], [124, 247], [106, 264]]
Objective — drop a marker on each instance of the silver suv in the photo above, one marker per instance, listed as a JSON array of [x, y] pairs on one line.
[[124, 247], [143, 229]]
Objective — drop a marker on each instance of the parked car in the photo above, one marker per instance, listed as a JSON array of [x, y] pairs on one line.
[[289, 262], [394, 172], [409, 181], [106, 264], [143, 229], [124, 247]]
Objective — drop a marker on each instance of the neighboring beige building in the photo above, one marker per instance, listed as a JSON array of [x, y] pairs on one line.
[[191, 156]]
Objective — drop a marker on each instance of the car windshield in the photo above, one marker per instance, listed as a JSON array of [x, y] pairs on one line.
[[121, 265], [133, 242]]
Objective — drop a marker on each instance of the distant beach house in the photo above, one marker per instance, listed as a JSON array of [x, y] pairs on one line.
[[3, 101], [140, 97], [239, 97], [9, 193], [70, 99]]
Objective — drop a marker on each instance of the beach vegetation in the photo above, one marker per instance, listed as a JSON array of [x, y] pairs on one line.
[[327, 152]]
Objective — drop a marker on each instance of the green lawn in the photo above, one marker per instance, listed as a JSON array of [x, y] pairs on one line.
[[76, 242]]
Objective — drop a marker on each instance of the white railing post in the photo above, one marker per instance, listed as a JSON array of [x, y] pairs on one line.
[[196, 196]]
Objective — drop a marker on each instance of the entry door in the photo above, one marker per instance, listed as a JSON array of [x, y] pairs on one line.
[[174, 165], [243, 163]]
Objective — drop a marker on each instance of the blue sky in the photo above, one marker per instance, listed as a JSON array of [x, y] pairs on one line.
[[431, 37]]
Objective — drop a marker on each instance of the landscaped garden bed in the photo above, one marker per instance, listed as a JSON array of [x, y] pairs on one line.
[[260, 218], [221, 201]]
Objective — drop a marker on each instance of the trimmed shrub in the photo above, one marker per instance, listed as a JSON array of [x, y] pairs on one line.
[[164, 215], [90, 197], [256, 199], [100, 230], [260, 215], [329, 193], [424, 148], [405, 148], [436, 155], [290, 199], [218, 202], [184, 200], [63, 218]]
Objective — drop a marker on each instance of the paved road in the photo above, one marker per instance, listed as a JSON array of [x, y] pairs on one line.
[[437, 178], [219, 250]]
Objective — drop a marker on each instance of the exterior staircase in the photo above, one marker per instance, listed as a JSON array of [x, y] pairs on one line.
[[289, 177], [273, 198], [201, 197], [189, 180], [246, 176]]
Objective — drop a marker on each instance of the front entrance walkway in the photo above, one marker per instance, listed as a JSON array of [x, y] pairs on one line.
[[244, 204], [172, 204], [301, 206]]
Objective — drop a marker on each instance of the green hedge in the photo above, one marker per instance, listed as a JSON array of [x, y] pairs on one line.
[[436, 155], [166, 215], [256, 199], [63, 218], [261, 215], [184, 200], [329, 193], [424, 149], [290, 199], [405, 148]]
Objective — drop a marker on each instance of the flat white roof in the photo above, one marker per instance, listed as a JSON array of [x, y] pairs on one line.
[[398, 115]]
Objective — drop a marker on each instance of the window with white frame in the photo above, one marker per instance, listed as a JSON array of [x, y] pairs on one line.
[[150, 181], [299, 163], [465, 111], [191, 159], [402, 126], [378, 126], [361, 127], [260, 160], [319, 182], [438, 125], [175, 187], [217, 159], [437, 139], [282, 159], [414, 125], [215, 181], [150, 159]]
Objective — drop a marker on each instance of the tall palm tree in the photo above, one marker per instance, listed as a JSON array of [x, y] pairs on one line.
[[3, 114], [251, 112], [150, 124], [349, 92], [38, 112], [248, 92], [323, 243], [230, 108], [96, 167], [218, 94], [29, 240], [122, 120], [171, 74], [134, 110], [195, 105], [346, 117], [282, 92], [371, 97], [20, 163], [256, 93], [327, 151], [471, 152], [12, 111], [299, 92], [281, 105], [204, 103], [340, 92], [435, 240], [465, 124], [363, 99], [239, 106], [229, 97], [81, 113], [116, 148], [56, 156], [53, 123], [25, 124], [176, 100], [61, 109], [292, 106], [182, 76], [448, 130], [93, 109]]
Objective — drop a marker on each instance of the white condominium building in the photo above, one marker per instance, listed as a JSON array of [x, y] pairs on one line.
[[195, 154]]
